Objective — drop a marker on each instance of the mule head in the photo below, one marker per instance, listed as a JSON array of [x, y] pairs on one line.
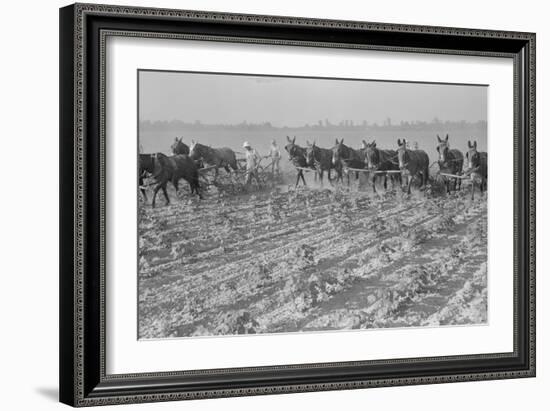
[[472, 155], [179, 147], [194, 150], [337, 151], [291, 148], [174, 145], [310, 153], [371, 155], [442, 147], [402, 153]]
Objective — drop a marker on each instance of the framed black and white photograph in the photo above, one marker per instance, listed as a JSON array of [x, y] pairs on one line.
[[259, 204]]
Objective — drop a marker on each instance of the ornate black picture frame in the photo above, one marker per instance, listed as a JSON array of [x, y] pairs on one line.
[[83, 30]]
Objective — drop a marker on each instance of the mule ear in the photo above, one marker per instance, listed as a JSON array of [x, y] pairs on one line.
[[294, 140], [399, 142], [439, 139], [469, 144], [475, 144], [288, 139], [373, 144], [336, 141]]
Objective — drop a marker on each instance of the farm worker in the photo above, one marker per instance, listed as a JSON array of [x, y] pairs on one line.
[[275, 155], [252, 163]]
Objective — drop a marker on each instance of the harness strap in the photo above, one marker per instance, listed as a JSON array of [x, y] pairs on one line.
[[453, 160], [471, 170]]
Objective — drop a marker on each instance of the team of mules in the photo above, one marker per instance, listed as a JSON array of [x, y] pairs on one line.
[[166, 169], [401, 165], [183, 164]]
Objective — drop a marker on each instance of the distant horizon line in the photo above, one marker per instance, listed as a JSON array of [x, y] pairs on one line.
[[317, 125]]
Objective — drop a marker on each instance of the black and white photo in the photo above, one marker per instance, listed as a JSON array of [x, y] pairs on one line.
[[273, 204]]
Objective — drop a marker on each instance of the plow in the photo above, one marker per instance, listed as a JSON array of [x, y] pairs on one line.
[[236, 180]]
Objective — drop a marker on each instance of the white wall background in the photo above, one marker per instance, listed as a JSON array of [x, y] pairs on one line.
[[29, 204]]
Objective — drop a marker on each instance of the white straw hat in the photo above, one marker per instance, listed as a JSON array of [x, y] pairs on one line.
[[246, 144]]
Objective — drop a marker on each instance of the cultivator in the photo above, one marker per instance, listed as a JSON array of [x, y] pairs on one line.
[[236, 180]]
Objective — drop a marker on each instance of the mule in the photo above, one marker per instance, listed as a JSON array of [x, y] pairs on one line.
[[341, 153], [451, 161], [297, 156], [477, 167], [216, 157], [179, 147], [414, 162], [172, 168], [381, 160], [319, 159], [357, 163]]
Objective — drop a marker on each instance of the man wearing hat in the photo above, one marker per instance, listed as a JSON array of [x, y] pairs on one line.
[[252, 162], [275, 155]]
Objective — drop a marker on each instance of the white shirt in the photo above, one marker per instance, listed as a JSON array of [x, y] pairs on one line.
[[274, 151], [252, 159]]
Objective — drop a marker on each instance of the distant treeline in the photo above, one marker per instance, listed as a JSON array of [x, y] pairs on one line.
[[435, 125]]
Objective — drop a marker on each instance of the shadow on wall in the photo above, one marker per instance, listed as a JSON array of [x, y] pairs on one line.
[[50, 393]]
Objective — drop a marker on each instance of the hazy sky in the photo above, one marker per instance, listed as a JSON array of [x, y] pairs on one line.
[[232, 99]]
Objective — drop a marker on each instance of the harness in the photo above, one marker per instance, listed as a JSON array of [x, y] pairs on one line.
[[471, 170], [391, 160]]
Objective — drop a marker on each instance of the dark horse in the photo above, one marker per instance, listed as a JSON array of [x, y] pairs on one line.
[[179, 147], [170, 168], [450, 161], [342, 154], [297, 156], [320, 159], [379, 161], [216, 157], [477, 167], [415, 162]]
